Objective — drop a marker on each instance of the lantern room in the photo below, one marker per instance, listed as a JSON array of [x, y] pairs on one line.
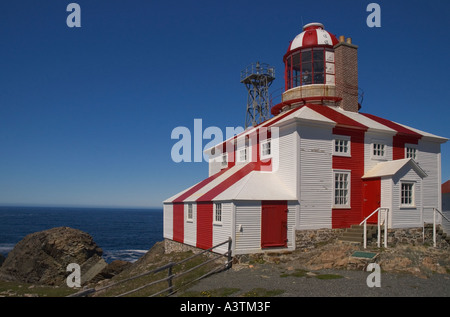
[[310, 58], [321, 69]]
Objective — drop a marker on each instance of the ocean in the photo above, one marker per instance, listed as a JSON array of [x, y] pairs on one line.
[[123, 233]]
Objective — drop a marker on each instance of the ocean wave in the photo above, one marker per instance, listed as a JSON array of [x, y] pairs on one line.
[[131, 255], [5, 248]]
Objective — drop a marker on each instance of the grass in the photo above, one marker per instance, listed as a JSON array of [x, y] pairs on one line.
[[15, 289], [328, 276], [144, 282], [262, 292], [220, 292]]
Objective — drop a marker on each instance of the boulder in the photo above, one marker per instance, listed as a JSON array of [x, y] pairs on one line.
[[42, 257]]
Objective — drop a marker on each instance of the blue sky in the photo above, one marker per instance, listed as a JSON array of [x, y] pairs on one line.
[[86, 114]]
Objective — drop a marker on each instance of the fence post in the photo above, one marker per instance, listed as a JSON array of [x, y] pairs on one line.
[[170, 279], [229, 264], [434, 227]]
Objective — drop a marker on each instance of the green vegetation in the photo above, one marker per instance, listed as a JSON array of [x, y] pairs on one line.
[[262, 292], [14, 289], [220, 292], [328, 276]]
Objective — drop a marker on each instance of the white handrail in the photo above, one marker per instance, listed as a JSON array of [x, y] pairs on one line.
[[434, 222], [379, 209]]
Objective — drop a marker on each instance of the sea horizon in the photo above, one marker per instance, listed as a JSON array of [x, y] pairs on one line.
[[123, 233]]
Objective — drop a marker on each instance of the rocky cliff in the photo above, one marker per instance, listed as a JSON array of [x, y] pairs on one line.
[[42, 257]]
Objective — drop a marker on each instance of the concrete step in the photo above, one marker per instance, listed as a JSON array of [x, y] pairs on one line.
[[356, 233]]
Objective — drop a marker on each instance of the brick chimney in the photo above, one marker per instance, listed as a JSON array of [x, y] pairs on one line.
[[346, 64]]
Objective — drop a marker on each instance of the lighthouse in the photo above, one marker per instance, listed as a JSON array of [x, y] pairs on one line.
[[318, 166]]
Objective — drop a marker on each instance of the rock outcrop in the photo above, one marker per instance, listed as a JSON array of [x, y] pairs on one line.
[[43, 257]]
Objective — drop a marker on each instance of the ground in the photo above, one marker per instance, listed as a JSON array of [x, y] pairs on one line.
[[330, 270], [325, 270]]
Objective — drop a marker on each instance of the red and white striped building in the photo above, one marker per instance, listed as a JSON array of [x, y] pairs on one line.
[[319, 162]]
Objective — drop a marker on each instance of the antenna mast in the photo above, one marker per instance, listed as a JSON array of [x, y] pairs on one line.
[[257, 78]]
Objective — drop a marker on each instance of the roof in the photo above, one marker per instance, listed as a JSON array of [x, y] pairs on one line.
[[337, 117], [390, 168], [240, 182], [446, 187], [313, 34]]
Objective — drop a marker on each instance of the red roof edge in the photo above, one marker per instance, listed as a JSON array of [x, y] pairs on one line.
[[446, 187], [395, 126]]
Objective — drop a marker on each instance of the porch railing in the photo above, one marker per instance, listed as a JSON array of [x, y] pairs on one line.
[[385, 221], [435, 211]]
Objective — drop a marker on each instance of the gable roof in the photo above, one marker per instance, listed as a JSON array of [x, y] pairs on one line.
[[390, 168]]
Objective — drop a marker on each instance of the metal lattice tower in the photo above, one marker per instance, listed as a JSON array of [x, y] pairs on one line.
[[257, 77]]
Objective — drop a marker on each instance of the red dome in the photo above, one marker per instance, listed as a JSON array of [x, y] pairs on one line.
[[313, 35]]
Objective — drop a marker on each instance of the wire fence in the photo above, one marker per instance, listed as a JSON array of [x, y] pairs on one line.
[[171, 275]]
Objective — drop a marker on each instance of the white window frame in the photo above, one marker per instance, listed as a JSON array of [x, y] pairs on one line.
[[217, 214], [246, 153], [378, 156], [190, 213], [343, 138], [412, 194], [224, 160], [263, 150], [411, 147], [346, 205]]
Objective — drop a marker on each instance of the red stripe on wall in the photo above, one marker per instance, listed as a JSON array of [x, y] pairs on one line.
[[398, 142], [204, 225], [178, 222], [344, 218], [404, 135]]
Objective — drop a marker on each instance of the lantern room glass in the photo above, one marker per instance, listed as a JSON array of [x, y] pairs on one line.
[[306, 67]]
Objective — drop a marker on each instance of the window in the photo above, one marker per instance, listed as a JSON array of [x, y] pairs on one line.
[[341, 146], [309, 66], [341, 189], [190, 214], [379, 150], [407, 195], [411, 152], [218, 213], [265, 149], [224, 160], [243, 155]]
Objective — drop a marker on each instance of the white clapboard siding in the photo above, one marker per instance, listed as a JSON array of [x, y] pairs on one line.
[[286, 168], [292, 218], [406, 217], [386, 196], [223, 231], [247, 227], [190, 226], [168, 221], [316, 184], [369, 138], [429, 161]]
